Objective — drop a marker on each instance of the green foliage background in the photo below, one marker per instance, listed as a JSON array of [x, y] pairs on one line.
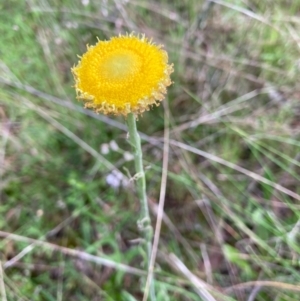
[[235, 96]]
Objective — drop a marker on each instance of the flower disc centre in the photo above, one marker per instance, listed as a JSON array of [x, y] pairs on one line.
[[120, 66]]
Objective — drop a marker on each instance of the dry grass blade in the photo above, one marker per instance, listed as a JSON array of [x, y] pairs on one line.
[[160, 211], [242, 170], [233, 106], [74, 253], [64, 103], [200, 286], [247, 13], [72, 136], [188, 248], [262, 283], [13, 261], [2, 284]]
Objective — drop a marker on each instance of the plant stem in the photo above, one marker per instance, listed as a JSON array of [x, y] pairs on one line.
[[144, 222]]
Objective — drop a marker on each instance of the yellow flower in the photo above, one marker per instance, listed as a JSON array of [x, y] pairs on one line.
[[125, 74]]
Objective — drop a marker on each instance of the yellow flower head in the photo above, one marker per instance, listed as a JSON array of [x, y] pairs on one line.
[[125, 74]]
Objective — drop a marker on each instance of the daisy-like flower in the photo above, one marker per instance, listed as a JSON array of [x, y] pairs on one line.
[[127, 74]]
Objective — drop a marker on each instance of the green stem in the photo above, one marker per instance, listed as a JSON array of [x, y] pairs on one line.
[[135, 142], [144, 222]]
